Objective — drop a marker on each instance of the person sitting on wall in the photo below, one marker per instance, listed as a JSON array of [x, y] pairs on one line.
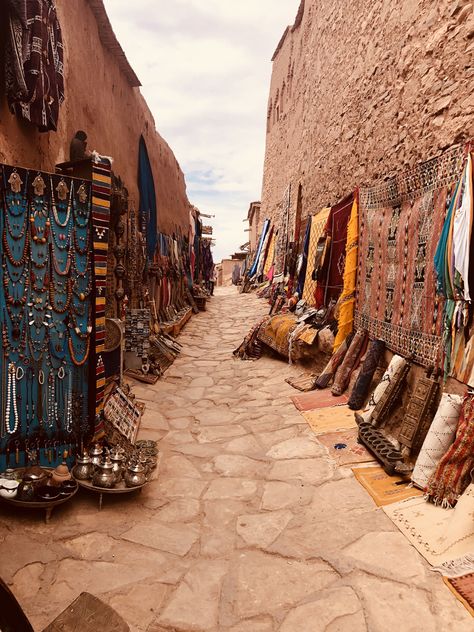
[[78, 148]]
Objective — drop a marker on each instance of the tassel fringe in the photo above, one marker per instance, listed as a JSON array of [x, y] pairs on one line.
[[457, 567]]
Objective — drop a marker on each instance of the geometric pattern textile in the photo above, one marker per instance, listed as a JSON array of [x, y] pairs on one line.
[[444, 537], [318, 223], [439, 438], [101, 190], [400, 222]]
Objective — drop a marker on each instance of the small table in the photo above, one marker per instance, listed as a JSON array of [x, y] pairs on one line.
[[47, 505], [119, 489]]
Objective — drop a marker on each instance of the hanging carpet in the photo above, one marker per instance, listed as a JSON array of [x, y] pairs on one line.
[[400, 222]]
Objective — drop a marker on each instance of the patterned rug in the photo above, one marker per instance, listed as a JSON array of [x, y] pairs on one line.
[[463, 589], [318, 399], [400, 224], [344, 448], [383, 488], [330, 419], [445, 537]]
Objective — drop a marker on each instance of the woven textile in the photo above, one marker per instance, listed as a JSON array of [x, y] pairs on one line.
[[389, 377], [345, 321], [258, 254], [452, 473], [463, 588], [400, 222], [364, 379], [34, 69], [251, 348], [318, 224], [330, 419], [276, 333], [344, 448], [333, 364], [439, 438], [383, 488], [351, 361], [331, 281], [270, 254], [445, 538], [317, 399], [101, 187]]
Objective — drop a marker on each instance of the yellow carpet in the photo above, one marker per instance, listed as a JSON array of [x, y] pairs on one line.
[[323, 420], [384, 489]]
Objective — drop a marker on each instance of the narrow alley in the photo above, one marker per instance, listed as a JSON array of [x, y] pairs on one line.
[[248, 527]]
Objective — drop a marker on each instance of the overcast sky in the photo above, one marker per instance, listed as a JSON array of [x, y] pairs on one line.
[[205, 69]]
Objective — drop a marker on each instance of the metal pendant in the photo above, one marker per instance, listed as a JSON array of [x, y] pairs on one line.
[[15, 182], [62, 190], [39, 185]]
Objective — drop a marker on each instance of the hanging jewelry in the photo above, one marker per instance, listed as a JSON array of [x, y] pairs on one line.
[[11, 401], [68, 405], [62, 192], [81, 206]]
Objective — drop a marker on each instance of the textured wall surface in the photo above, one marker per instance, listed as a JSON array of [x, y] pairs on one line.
[[100, 100], [361, 89]]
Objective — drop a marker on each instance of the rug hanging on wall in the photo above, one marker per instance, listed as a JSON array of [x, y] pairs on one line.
[[400, 222], [318, 223], [331, 282]]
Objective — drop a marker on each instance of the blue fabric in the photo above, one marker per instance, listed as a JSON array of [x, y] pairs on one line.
[[443, 282], [304, 263], [265, 229], [147, 208]]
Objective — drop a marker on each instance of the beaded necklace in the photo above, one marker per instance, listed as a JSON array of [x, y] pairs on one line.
[[60, 305], [11, 401], [62, 194], [74, 356]]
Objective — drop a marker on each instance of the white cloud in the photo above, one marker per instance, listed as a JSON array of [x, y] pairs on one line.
[[205, 69]]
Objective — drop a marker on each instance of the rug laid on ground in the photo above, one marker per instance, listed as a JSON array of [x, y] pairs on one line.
[[463, 589], [344, 448], [445, 537], [383, 488], [304, 382], [318, 399], [330, 419], [400, 222]]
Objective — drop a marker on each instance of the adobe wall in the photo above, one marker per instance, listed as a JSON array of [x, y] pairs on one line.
[[100, 100], [361, 89]]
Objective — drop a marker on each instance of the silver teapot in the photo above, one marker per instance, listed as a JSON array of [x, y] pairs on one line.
[[117, 458], [104, 474], [135, 475], [84, 468], [96, 454]]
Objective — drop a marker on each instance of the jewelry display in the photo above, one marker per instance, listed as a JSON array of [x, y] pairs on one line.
[[46, 295]]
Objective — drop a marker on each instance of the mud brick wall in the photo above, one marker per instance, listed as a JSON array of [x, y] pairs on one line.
[[361, 89]]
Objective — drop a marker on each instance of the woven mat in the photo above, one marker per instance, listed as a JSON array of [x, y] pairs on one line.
[[318, 399], [384, 489], [330, 419], [445, 537], [344, 448], [304, 382], [463, 589]]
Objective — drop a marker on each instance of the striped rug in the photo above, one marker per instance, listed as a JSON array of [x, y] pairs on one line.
[[101, 190]]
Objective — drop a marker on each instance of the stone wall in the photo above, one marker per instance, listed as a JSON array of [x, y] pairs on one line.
[[101, 99], [361, 89]]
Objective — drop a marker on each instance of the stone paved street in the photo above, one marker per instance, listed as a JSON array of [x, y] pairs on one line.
[[249, 527]]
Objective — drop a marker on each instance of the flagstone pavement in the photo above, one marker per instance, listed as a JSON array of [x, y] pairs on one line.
[[249, 526]]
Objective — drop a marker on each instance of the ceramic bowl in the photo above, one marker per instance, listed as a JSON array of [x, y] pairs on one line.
[[68, 486], [8, 488], [47, 492]]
